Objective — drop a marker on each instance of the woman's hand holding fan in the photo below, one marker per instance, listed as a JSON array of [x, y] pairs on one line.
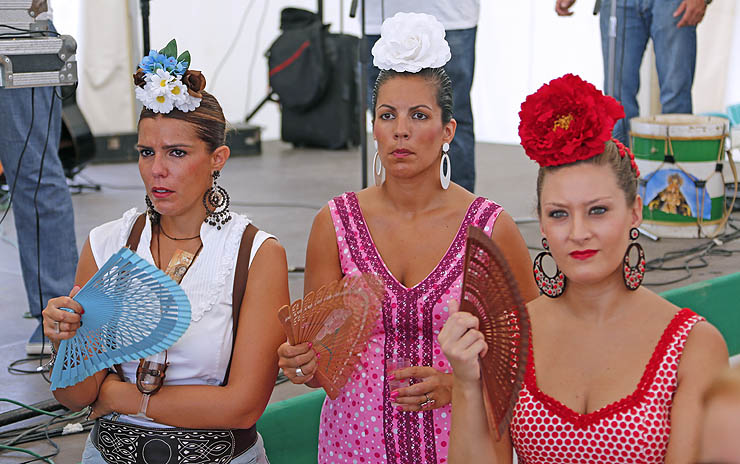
[[493, 324], [59, 323], [335, 323]]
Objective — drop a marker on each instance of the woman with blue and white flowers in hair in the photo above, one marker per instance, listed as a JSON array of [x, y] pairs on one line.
[[218, 379]]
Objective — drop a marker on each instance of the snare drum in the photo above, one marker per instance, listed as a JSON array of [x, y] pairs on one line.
[[681, 183]]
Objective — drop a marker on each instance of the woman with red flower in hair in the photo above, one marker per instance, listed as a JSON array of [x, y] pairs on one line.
[[615, 373]]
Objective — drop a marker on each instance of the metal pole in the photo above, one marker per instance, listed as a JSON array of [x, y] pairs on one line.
[[611, 70], [363, 88], [145, 24]]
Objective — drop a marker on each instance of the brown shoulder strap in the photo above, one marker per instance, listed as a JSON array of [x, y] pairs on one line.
[[241, 273], [132, 244], [133, 239]]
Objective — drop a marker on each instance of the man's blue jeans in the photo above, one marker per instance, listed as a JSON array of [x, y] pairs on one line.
[[675, 55], [460, 69], [56, 219]]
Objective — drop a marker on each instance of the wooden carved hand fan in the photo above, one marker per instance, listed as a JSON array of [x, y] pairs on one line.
[[490, 292], [338, 319]]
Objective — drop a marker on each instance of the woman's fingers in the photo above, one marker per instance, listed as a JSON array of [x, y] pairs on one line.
[[457, 324], [65, 303], [62, 317], [288, 351], [416, 372], [306, 372], [299, 362], [74, 291], [56, 331], [415, 390], [294, 356]]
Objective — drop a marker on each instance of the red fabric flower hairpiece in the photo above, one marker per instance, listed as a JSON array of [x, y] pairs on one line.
[[567, 120]]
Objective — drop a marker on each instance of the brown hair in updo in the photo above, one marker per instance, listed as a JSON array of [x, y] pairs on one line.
[[208, 120], [620, 166], [436, 76]]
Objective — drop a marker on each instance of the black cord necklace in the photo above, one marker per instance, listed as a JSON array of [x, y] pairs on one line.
[[158, 263], [173, 238]]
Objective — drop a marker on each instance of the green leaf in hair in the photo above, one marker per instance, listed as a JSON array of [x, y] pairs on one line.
[[170, 49], [185, 56]]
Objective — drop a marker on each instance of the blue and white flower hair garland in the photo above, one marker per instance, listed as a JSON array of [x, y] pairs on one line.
[[164, 82]]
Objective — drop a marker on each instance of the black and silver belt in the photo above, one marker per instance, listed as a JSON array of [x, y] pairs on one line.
[[122, 443]]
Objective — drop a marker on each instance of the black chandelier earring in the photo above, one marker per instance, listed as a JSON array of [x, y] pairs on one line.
[[633, 275], [151, 212], [216, 202], [552, 286]]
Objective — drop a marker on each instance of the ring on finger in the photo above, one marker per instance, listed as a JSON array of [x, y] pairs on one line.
[[299, 372], [56, 326], [427, 403]]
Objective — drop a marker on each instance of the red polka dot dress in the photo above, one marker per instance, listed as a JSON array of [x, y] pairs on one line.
[[634, 429], [361, 425]]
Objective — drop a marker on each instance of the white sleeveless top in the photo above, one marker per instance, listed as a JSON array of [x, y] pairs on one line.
[[201, 355]]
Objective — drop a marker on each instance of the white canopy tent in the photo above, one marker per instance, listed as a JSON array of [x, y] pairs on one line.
[[520, 45]]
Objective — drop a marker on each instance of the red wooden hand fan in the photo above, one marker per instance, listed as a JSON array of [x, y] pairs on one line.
[[338, 319], [490, 292]]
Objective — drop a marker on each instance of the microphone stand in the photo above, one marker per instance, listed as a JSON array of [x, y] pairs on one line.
[[363, 86]]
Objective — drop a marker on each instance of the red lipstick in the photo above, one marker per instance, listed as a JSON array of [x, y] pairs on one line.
[[582, 254]]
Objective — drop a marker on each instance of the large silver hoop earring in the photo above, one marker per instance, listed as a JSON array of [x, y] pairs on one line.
[[444, 177], [378, 170], [216, 202]]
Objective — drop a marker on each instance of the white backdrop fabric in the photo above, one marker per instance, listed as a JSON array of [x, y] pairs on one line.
[[520, 46]]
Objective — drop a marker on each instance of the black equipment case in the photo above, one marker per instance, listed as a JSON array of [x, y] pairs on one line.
[[315, 73]]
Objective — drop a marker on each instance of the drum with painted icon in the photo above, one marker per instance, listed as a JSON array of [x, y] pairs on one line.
[[680, 157]]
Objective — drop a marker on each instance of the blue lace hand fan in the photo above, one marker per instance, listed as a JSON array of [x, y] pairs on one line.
[[132, 310]]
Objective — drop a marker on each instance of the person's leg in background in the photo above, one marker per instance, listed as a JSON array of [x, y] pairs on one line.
[[56, 241], [460, 69], [633, 32], [675, 57]]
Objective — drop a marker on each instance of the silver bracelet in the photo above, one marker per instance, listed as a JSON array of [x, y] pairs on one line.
[[50, 363]]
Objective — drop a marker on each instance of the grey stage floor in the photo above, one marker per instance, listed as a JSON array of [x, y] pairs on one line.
[[281, 190]]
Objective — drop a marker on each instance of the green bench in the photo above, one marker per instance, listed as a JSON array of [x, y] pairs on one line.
[[290, 428], [718, 300]]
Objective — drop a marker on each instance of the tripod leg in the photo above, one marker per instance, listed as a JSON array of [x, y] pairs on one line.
[[268, 97]]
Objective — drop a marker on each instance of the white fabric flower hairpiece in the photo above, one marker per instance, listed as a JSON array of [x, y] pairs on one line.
[[410, 42], [164, 82]]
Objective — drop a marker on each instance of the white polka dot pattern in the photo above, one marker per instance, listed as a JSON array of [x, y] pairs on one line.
[[634, 429], [361, 425]]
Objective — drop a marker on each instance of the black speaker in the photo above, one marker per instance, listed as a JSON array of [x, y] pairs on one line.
[[77, 145]]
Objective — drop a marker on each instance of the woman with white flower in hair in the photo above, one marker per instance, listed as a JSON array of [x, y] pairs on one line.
[[409, 229], [199, 400]]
